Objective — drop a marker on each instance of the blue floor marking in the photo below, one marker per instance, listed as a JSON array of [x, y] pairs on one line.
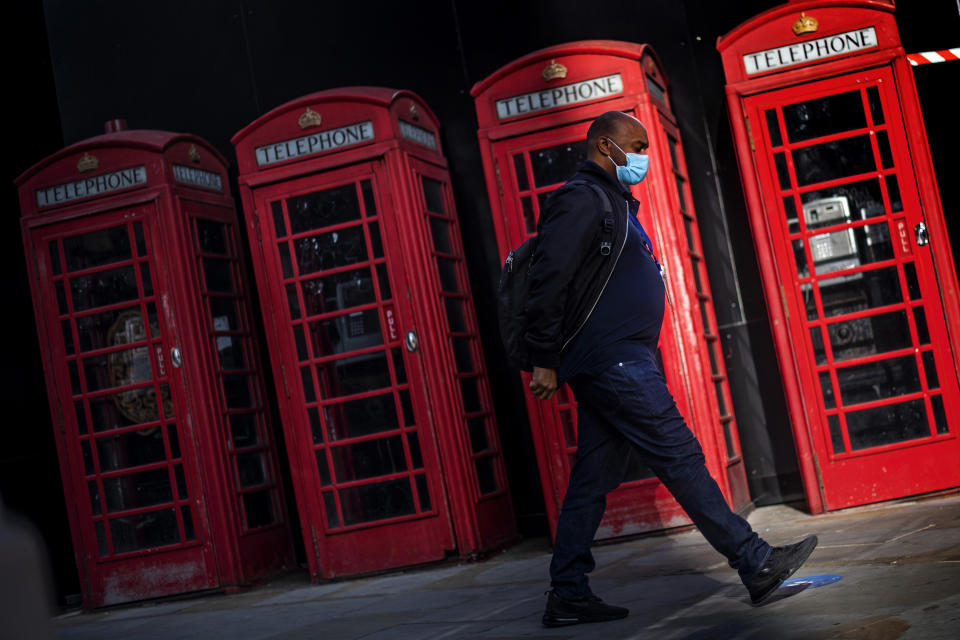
[[813, 581]]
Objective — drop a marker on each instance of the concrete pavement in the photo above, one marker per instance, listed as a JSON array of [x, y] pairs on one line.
[[888, 571]]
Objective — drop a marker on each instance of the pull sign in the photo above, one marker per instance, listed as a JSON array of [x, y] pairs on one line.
[[922, 236], [391, 322], [903, 234], [158, 351]]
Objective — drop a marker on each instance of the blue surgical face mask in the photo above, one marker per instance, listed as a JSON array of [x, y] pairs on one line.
[[636, 168]]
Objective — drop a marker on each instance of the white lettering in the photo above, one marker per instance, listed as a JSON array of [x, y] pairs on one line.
[[197, 177], [560, 96], [418, 134], [826, 47], [314, 143], [92, 186]]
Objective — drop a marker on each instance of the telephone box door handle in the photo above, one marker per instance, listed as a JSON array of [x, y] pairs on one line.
[[412, 342], [176, 358], [922, 236]]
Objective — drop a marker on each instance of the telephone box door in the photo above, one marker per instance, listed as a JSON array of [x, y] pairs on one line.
[[129, 429], [859, 286], [366, 445]]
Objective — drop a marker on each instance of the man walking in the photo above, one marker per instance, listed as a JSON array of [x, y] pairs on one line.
[[594, 314]]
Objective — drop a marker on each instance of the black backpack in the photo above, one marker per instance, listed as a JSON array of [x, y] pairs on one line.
[[514, 289]]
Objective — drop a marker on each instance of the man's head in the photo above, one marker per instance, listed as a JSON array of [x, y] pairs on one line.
[[613, 135]]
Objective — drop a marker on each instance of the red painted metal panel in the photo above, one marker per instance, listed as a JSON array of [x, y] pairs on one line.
[[514, 148], [836, 170]]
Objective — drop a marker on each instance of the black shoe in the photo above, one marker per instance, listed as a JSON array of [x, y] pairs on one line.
[[781, 564], [561, 612]]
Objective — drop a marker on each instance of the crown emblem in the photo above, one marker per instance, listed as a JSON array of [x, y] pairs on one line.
[[805, 24], [310, 118], [414, 113], [554, 71], [193, 153], [88, 163]]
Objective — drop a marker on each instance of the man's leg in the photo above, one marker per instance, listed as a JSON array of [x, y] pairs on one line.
[[600, 465], [635, 401]]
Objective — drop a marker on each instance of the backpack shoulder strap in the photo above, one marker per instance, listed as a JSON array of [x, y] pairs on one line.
[[604, 198]]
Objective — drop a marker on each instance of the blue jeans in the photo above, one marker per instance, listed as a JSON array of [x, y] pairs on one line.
[[630, 403]]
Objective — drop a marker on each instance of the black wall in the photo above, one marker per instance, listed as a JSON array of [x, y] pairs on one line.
[[210, 68]]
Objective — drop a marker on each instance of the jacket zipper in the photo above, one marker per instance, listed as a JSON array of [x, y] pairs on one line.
[[626, 231]]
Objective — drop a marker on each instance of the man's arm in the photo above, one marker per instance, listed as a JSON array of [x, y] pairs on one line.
[[567, 228]]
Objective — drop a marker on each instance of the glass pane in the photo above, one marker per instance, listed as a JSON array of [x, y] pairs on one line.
[[407, 406], [876, 109], [440, 231], [920, 318], [817, 339], [143, 531], [87, 457], [181, 481], [61, 297], [97, 248], [117, 369], [353, 375], [462, 354], [333, 521], [913, 285], [773, 128], [680, 194], [783, 175], [384, 281], [368, 459], [252, 469], [224, 314], [323, 208], [219, 275], [930, 369], [448, 275], [867, 336], [833, 160], [286, 265], [423, 494], [316, 427], [433, 195], [146, 279], [174, 441], [398, 367], [859, 291], [131, 449], [107, 329], [672, 146], [230, 349], [330, 250], [721, 400], [529, 218], [883, 145], [558, 163], [103, 288], [101, 538], [306, 377], [323, 469], [301, 341], [74, 378], [826, 389], [470, 395], [338, 291], [728, 441], [137, 490], [54, 257], [377, 501], [81, 417], [939, 415], [188, 533], [361, 417], [454, 309], [259, 509], [128, 408], [478, 433], [886, 425], [369, 203], [416, 456], [851, 248], [279, 226], [243, 429], [293, 301], [843, 203], [376, 242], [836, 436], [824, 116], [212, 237], [486, 476], [878, 380], [357, 330], [790, 210], [893, 189], [236, 390], [800, 258], [520, 171], [94, 497]]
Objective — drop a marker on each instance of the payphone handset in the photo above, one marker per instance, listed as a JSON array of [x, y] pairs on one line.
[[836, 250]]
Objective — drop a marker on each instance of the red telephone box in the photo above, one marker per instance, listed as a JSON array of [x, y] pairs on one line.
[[372, 334], [856, 265], [534, 114], [155, 389]]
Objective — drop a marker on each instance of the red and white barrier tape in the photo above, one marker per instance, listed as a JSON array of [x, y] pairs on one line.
[[928, 57]]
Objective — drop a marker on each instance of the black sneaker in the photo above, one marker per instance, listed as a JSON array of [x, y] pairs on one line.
[[561, 612], [781, 564]]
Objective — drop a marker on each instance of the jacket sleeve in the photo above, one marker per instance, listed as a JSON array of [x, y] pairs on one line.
[[566, 231]]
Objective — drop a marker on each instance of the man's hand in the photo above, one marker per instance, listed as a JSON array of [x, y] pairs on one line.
[[543, 386]]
